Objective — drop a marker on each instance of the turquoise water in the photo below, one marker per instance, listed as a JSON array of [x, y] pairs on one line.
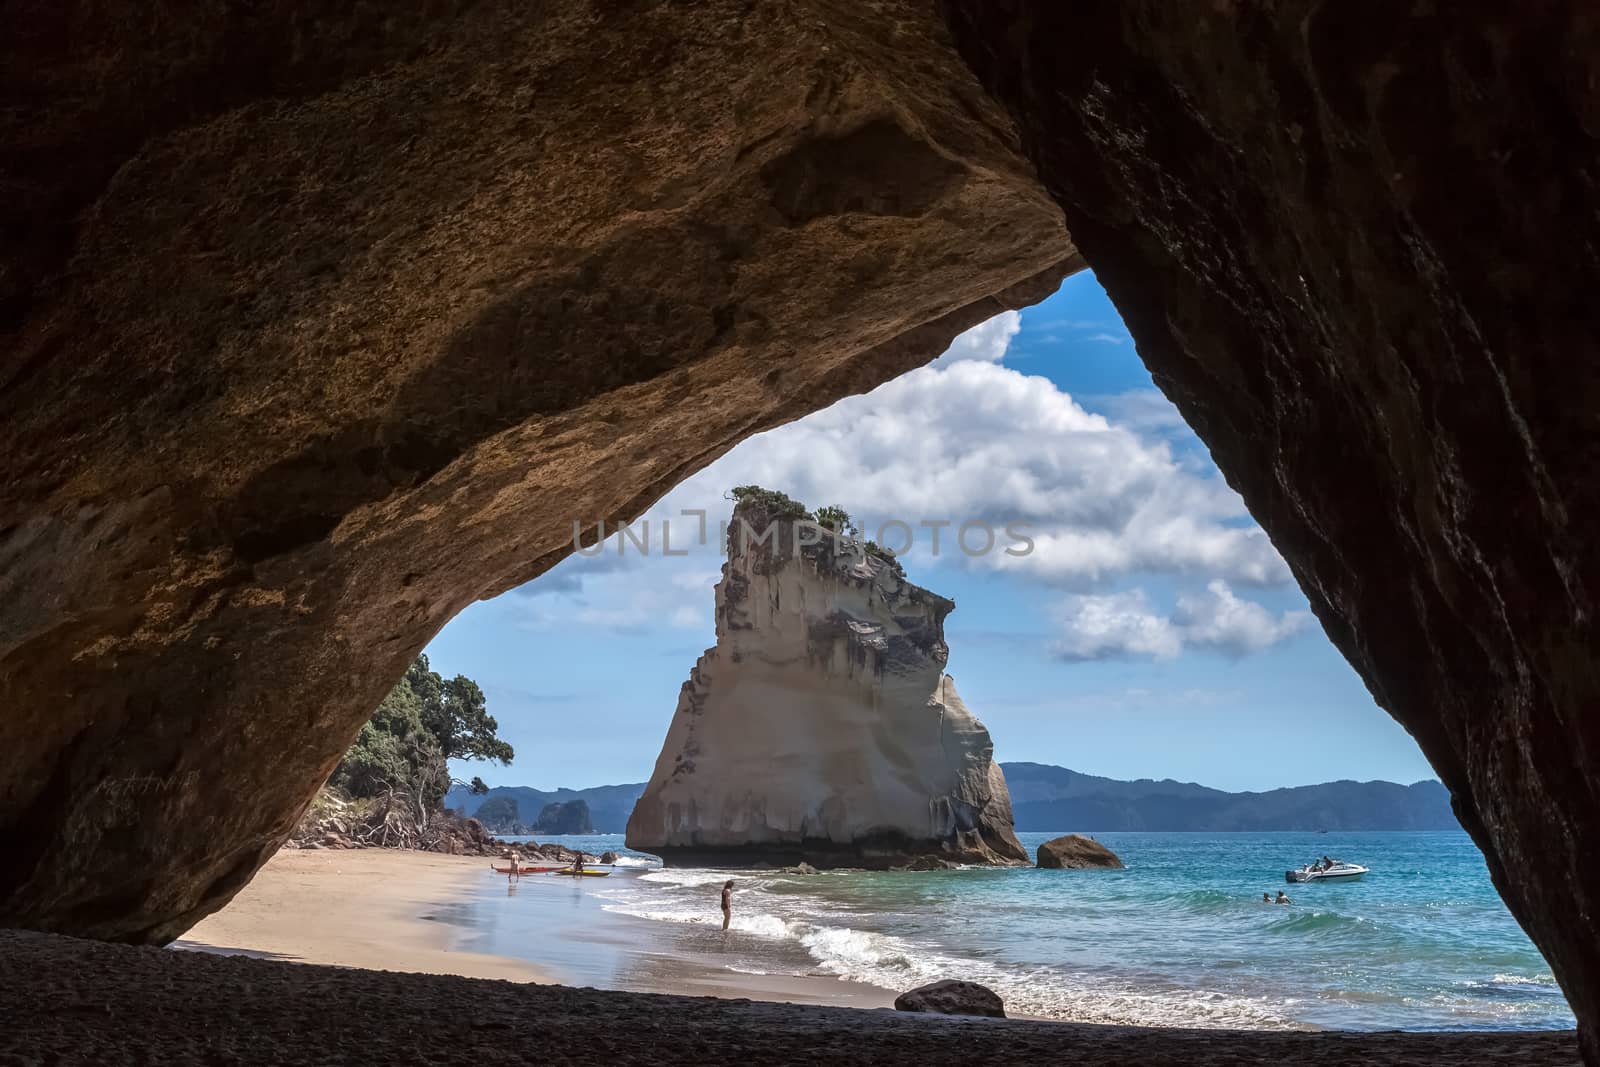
[[1179, 938]]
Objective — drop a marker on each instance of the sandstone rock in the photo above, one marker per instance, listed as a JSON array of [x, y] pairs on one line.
[[1365, 293], [282, 394], [950, 997], [822, 726], [1074, 851], [319, 322]]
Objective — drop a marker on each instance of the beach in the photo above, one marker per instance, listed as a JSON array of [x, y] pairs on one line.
[[409, 982], [396, 910], [1178, 939], [378, 909], [67, 1001]]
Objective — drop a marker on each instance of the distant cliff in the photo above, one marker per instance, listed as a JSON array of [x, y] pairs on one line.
[[1047, 799], [609, 805], [822, 726], [571, 817]]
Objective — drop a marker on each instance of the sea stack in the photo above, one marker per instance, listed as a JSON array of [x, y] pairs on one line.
[[822, 727]]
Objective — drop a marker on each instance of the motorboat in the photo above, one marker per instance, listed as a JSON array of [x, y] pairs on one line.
[[1337, 871]]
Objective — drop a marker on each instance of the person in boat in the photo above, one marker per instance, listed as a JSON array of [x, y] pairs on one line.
[[1283, 898], [727, 902], [1327, 864]]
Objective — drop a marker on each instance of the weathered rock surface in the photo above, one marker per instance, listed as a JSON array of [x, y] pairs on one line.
[[1076, 852], [1355, 245], [319, 321], [951, 997], [822, 727]]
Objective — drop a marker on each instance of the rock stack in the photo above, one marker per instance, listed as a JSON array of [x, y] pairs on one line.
[[822, 727]]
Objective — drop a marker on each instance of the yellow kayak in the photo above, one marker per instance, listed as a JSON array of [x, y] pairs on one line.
[[586, 873]]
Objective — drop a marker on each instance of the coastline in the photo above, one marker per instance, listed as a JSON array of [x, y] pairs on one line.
[[425, 913], [73, 1001], [375, 909]]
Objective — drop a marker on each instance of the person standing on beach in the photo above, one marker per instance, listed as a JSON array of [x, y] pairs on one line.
[[727, 902]]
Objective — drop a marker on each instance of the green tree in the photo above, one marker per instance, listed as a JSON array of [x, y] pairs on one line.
[[837, 519], [422, 725]]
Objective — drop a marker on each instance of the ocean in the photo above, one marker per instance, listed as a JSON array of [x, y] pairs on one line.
[[1179, 938]]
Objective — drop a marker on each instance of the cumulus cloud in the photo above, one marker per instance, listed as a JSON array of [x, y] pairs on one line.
[[1218, 619], [1124, 625], [1115, 625], [986, 342], [976, 440], [1103, 498]]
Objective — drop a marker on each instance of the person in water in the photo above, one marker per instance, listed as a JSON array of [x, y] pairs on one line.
[[514, 865], [1266, 898], [727, 902], [577, 863], [1283, 898]]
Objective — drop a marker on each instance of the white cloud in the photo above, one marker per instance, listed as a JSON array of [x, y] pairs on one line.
[[1115, 625], [986, 342], [1124, 625], [1106, 498], [1219, 620], [1106, 338], [975, 440]]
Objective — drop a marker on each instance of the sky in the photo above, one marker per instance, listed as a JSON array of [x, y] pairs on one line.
[[1151, 631]]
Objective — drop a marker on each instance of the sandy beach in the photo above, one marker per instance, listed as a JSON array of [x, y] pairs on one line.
[[393, 910], [254, 993], [378, 909]]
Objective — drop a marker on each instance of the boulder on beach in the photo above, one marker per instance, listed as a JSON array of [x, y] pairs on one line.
[[951, 997], [1076, 852]]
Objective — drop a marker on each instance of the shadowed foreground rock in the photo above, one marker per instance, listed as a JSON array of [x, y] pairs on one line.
[[79, 1002], [951, 997], [1076, 852], [319, 321], [1355, 244]]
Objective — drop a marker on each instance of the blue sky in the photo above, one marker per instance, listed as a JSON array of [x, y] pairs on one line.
[[1152, 631]]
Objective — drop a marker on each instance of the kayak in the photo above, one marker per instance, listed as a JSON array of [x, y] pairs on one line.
[[585, 873]]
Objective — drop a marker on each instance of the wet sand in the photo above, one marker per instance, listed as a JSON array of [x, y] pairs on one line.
[[563, 927], [380, 909], [80, 1002]]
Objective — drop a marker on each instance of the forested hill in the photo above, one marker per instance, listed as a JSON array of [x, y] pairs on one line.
[[609, 805], [1046, 798]]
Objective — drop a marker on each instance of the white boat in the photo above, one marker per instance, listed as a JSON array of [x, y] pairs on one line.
[[1338, 871]]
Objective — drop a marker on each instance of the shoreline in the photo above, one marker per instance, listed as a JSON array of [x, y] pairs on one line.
[[73, 1001], [373, 909]]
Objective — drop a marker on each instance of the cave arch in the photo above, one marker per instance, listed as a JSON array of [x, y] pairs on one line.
[[323, 324]]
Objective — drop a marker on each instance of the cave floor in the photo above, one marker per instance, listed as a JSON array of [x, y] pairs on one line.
[[65, 1001]]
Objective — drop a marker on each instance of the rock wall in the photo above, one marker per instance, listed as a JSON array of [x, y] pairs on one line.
[[319, 321], [822, 727], [1356, 246]]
